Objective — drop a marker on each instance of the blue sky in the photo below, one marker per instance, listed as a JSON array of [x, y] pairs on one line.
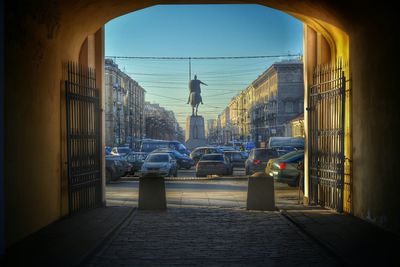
[[200, 31]]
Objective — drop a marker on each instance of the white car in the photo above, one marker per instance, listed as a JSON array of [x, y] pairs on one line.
[[159, 164]]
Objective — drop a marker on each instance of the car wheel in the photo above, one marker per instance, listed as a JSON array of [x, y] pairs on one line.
[[176, 173]]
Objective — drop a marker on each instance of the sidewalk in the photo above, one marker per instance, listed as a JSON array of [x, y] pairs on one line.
[[353, 241], [294, 236], [69, 241]]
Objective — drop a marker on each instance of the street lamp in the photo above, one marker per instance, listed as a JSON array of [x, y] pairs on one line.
[[131, 125]]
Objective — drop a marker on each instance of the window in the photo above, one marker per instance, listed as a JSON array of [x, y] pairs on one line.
[[289, 107]]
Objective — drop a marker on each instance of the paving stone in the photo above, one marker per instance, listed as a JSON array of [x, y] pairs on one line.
[[210, 237]]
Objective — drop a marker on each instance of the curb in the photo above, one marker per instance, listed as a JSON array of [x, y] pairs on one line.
[[325, 246], [187, 179]]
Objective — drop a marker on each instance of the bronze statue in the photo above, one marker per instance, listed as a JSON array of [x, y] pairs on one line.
[[195, 94]]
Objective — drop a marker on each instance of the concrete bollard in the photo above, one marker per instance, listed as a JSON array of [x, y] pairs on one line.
[[152, 193], [260, 192]]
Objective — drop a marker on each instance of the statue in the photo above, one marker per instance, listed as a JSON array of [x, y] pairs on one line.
[[195, 94]]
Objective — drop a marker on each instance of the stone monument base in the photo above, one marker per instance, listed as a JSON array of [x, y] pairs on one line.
[[195, 133]]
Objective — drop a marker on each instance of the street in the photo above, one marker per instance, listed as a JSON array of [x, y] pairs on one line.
[[187, 190], [206, 224]]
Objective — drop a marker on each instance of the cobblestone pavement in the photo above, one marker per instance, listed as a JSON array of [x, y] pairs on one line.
[[209, 237]]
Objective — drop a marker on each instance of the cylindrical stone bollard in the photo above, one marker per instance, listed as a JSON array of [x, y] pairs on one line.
[[260, 192], [152, 193]]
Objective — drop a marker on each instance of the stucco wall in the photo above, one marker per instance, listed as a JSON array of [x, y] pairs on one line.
[[376, 116], [32, 132]]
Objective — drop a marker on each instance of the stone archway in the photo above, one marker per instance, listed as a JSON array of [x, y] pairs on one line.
[[40, 36]]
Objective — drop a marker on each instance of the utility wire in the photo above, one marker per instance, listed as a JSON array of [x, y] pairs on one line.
[[204, 58], [180, 99]]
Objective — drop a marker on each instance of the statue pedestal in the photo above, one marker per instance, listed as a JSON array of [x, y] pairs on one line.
[[194, 133]]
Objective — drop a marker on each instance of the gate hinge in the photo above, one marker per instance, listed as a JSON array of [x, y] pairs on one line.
[[347, 159]]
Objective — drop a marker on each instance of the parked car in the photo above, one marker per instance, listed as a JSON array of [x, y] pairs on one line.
[[237, 158], [285, 169], [213, 164], [258, 158], [159, 164], [120, 151], [114, 169], [125, 164], [182, 160], [198, 152], [284, 156], [136, 159]]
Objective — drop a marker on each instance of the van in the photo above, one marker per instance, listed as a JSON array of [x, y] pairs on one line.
[[149, 145], [296, 142]]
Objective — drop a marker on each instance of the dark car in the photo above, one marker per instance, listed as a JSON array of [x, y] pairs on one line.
[[258, 158], [285, 169], [125, 164], [114, 169], [213, 164], [200, 151], [237, 158], [182, 160], [136, 159]]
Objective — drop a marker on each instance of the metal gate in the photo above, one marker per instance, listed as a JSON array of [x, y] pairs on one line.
[[83, 138], [326, 136]]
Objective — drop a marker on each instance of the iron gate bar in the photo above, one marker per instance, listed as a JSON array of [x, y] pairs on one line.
[[326, 136], [83, 138]]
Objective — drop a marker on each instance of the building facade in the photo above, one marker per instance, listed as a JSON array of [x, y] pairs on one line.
[[264, 108], [124, 105], [279, 97], [161, 123]]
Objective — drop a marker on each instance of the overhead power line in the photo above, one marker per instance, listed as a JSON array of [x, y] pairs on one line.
[[204, 58]]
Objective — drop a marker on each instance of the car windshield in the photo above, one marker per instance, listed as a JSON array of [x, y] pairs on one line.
[[157, 158], [212, 157]]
